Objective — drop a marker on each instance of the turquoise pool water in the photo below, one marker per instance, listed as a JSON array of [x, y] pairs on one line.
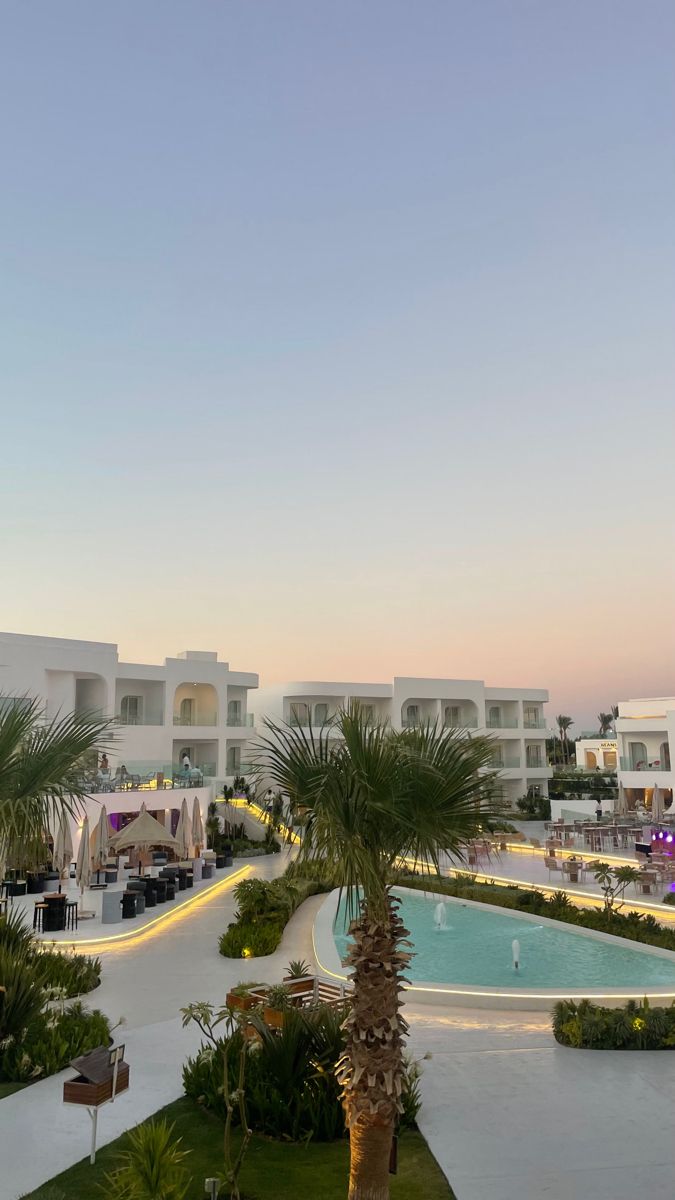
[[475, 948]]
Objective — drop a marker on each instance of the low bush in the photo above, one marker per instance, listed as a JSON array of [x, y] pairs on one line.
[[290, 1084], [69, 974], [152, 1168], [263, 910], [635, 927], [50, 1041], [634, 1027]]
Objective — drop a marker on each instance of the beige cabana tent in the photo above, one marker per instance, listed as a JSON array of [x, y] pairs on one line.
[[141, 833]]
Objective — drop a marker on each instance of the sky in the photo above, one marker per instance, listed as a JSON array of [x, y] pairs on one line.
[[339, 337]]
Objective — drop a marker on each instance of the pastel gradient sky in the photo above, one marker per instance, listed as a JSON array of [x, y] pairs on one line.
[[339, 337]]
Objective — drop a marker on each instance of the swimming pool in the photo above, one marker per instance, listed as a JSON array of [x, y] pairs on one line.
[[475, 949]]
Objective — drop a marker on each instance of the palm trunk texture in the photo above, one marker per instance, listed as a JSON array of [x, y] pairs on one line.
[[370, 1071]]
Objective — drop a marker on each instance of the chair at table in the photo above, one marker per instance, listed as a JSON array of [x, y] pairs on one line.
[[554, 866]]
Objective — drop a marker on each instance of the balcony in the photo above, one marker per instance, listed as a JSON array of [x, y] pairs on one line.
[[241, 720], [192, 719], [627, 764], [299, 721], [136, 719], [470, 723], [501, 723], [534, 723], [534, 760], [499, 763]]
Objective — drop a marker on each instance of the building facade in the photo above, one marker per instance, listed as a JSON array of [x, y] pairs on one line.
[[513, 717], [192, 705], [596, 753], [646, 740]]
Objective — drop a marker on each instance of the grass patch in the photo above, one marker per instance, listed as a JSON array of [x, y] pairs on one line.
[[272, 1170], [8, 1089]]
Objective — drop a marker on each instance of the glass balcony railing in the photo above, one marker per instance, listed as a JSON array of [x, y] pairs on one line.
[[240, 720], [299, 721], [501, 764], [471, 723], [501, 723], [195, 719], [126, 719], [534, 723], [646, 764], [534, 761]]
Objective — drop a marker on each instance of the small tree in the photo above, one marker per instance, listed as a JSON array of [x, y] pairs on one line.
[[207, 1018], [613, 883]]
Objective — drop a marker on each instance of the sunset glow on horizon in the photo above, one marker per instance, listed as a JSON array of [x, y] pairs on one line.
[[339, 339]]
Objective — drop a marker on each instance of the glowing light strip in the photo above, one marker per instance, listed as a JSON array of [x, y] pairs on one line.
[[259, 813], [156, 924]]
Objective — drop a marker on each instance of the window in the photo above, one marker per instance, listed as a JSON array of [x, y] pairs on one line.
[[494, 718], [299, 714], [233, 760], [320, 714], [234, 712], [533, 756], [664, 755], [532, 716], [187, 711], [368, 712], [412, 715], [453, 715], [131, 710]]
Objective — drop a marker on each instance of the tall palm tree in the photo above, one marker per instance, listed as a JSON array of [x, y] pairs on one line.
[[372, 798], [564, 724], [605, 722], [615, 716], [41, 773]]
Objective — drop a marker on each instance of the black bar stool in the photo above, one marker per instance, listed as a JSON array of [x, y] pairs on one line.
[[38, 915], [71, 914]]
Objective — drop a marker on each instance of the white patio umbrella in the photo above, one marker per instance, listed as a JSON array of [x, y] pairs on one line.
[[622, 803], [184, 831], [197, 826], [63, 846], [100, 842], [657, 804], [83, 865]]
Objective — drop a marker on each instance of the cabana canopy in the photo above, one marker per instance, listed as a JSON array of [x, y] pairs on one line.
[[142, 832]]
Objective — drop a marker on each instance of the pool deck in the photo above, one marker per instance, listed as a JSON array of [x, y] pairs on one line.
[[509, 1114]]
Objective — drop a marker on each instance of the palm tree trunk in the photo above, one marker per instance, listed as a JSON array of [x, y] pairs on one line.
[[371, 1068]]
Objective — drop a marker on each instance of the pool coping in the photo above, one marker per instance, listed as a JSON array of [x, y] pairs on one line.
[[471, 996]]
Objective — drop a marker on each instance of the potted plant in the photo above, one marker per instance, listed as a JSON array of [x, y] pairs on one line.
[[278, 1001]]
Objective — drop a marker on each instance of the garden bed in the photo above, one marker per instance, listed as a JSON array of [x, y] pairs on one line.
[[272, 1170]]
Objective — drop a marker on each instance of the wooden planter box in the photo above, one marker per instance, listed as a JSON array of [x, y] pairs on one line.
[[246, 1001], [80, 1091], [274, 1018]]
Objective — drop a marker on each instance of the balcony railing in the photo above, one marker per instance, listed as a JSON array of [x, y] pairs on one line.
[[500, 764], [501, 723], [534, 760], [299, 722], [629, 764], [196, 719], [534, 723], [240, 720], [142, 720], [471, 723]]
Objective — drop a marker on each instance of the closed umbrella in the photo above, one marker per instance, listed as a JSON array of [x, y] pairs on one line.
[[63, 846], [101, 842], [197, 826], [622, 803], [657, 804], [183, 831], [83, 865]]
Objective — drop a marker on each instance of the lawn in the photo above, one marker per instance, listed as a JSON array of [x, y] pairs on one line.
[[6, 1089], [272, 1170]]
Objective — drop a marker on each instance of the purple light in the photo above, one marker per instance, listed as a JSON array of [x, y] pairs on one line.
[[669, 838], [661, 833]]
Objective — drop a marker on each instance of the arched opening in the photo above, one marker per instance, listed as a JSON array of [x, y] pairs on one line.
[[591, 760], [637, 752], [195, 704]]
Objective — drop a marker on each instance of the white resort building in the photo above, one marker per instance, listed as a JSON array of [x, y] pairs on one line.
[[514, 717], [646, 736]]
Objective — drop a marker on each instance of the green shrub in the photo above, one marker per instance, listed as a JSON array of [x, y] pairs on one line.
[[251, 941], [74, 973], [23, 998], [152, 1168], [263, 910], [51, 1041], [588, 1026], [291, 1088]]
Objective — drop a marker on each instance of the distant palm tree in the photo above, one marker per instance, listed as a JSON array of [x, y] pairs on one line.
[[371, 798], [605, 721], [563, 724], [42, 767], [615, 716]]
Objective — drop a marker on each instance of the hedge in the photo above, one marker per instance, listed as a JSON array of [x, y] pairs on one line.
[[587, 1026]]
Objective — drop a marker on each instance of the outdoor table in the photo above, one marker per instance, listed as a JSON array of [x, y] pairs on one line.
[[54, 916], [573, 868]]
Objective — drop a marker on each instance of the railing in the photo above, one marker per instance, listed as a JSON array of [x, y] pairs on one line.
[[143, 720], [499, 764], [241, 720], [299, 722], [534, 760], [534, 723], [196, 719], [628, 764], [501, 723], [471, 723]]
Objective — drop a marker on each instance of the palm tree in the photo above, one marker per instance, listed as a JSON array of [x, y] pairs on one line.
[[563, 724], [615, 716], [605, 721], [42, 765], [373, 798]]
